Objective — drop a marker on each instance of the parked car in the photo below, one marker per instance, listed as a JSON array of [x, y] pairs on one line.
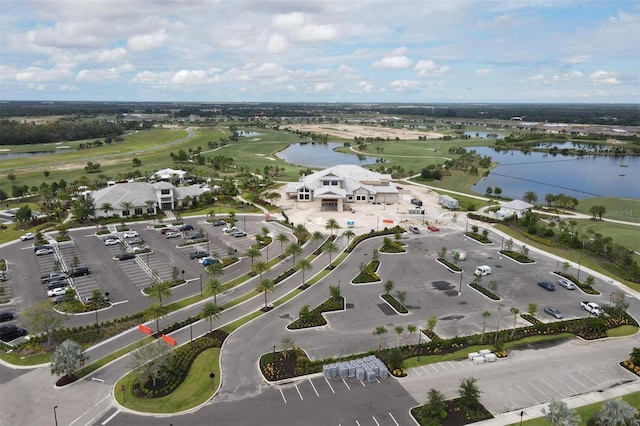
[[165, 231], [129, 234], [219, 223], [141, 249], [566, 284], [58, 291], [135, 240], [46, 246], [185, 228], [126, 256], [229, 229], [546, 285], [52, 276], [58, 299], [44, 251], [78, 272], [6, 316], [198, 254], [9, 332], [3, 276], [416, 202], [111, 242], [238, 234], [57, 284], [433, 228], [174, 234], [414, 229], [483, 270], [554, 312], [209, 261], [28, 236]]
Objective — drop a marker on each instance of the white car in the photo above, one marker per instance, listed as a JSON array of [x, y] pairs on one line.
[[173, 234], [111, 242], [229, 229], [566, 284], [43, 251], [60, 291], [28, 236], [129, 234]]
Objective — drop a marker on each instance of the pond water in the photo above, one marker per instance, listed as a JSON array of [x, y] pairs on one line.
[[321, 155], [575, 176], [4, 155], [484, 135]]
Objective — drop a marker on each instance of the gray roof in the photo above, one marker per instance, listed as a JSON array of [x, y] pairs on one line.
[[518, 205], [353, 177], [134, 192]]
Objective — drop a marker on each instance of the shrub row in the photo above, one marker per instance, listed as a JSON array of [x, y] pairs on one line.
[[369, 273], [386, 231]]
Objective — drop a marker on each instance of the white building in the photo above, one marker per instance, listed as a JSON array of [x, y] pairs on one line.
[[138, 198], [344, 184], [170, 174], [515, 207]]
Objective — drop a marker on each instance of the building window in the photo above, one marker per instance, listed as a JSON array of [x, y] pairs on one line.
[[150, 211], [334, 183], [165, 191], [138, 211], [125, 213], [361, 198], [349, 197], [371, 198]]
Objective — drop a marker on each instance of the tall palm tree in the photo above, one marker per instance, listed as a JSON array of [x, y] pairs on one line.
[[411, 329], [398, 329], [303, 265], [316, 237], [126, 206], [252, 253], [215, 287], [160, 290], [336, 295], [349, 234], [155, 312], [260, 267], [215, 270], [332, 225], [210, 310], [282, 238], [264, 286], [485, 315], [379, 331], [330, 247], [300, 232], [293, 250], [106, 208], [530, 197], [388, 286], [515, 312], [150, 204]]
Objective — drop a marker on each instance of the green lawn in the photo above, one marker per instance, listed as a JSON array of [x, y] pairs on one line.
[[626, 235], [625, 209]]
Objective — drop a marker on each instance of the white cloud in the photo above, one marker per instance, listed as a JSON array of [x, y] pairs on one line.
[[42, 74], [277, 44], [323, 87], [187, 77], [288, 20], [403, 85], [604, 77], [537, 78], [393, 63], [315, 33], [483, 71], [147, 41], [430, 69], [104, 73], [569, 76], [111, 55], [577, 59]]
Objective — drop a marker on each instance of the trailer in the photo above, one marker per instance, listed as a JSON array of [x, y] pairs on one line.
[[448, 202]]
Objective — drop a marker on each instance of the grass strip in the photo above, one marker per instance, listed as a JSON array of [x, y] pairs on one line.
[[88, 369]]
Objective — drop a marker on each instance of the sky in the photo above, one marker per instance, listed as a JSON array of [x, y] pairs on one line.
[[361, 51]]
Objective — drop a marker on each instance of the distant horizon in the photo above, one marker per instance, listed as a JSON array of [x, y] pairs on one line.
[[313, 51]]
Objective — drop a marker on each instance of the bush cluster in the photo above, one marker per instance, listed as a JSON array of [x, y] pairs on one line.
[[315, 318], [386, 231], [368, 274], [517, 256], [395, 303]]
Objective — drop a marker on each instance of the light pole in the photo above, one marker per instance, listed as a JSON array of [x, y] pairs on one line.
[[191, 332], [267, 252], [183, 275], [200, 285], [244, 223], [578, 279], [212, 375], [419, 341], [55, 415], [274, 354], [460, 287]]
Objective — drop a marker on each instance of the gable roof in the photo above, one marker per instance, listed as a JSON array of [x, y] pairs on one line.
[[518, 205], [134, 192]]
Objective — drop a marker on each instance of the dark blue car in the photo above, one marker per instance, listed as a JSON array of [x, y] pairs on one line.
[[546, 285]]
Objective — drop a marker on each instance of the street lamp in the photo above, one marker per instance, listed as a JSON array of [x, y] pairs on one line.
[[419, 341], [578, 272], [212, 375], [274, 354], [55, 415], [183, 275], [460, 287], [200, 285]]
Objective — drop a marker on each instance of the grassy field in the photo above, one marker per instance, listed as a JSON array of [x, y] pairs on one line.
[[626, 235], [625, 209]]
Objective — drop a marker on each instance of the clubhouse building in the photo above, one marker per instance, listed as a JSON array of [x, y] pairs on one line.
[[346, 183]]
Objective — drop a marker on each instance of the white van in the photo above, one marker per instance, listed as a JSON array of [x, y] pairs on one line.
[[462, 255], [482, 270]]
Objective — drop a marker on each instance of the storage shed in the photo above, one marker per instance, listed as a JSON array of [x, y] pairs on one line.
[[448, 202]]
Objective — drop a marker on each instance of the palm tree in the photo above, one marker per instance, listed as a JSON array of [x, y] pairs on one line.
[[264, 286], [549, 198], [293, 250], [150, 204], [559, 414], [379, 331], [106, 207], [260, 267], [388, 286], [252, 252], [155, 312], [332, 225], [530, 197], [616, 412], [126, 206], [159, 290], [330, 247], [533, 309], [316, 237], [411, 329], [214, 286], [515, 312], [282, 238], [485, 315], [210, 310], [300, 231], [349, 234], [336, 295], [398, 329], [303, 265], [215, 270]]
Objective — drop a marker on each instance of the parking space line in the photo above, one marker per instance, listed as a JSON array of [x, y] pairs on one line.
[[452, 365], [536, 388], [424, 369], [416, 371], [330, 387], [587, 377], [363, 385], [575, 380], [357, 423], [566, 385], [433, 367], [345, 383], [393, 418], [282, 393], [299, 394], [374, 419], [552, 389], [314, 388], [528, 396]]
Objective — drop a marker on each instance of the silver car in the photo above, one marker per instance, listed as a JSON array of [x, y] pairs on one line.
[[566, 284]]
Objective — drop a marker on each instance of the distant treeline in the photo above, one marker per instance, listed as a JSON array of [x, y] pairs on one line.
[[15, 133]]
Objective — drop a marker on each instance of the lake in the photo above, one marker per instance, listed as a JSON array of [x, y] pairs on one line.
[[4, 155], [518, 172]]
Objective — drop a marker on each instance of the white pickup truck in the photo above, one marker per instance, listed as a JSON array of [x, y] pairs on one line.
[[592, 307]]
